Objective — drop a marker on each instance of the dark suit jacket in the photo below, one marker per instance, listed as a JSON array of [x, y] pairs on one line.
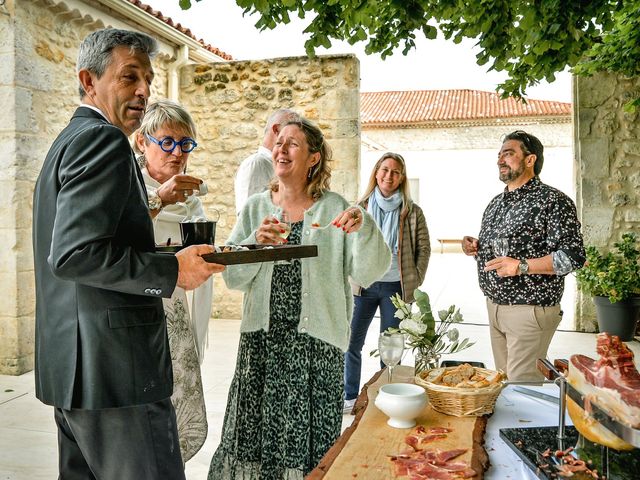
[[101, 337]]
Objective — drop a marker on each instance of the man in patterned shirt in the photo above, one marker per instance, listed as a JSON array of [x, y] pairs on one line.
[[529, 240]]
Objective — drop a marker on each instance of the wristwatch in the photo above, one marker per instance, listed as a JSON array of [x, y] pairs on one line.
[[523, 267], [155, 202]]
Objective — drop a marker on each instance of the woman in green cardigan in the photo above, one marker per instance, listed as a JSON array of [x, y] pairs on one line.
[[284, 409]]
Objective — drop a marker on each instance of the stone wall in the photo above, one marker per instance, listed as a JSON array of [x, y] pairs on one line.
[[231, 102], [608, 160], [40, 49], [11, 324]]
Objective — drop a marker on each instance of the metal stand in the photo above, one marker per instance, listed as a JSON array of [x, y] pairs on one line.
[[561, 381]]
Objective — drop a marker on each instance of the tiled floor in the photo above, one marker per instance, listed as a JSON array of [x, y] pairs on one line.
[[28, 442]]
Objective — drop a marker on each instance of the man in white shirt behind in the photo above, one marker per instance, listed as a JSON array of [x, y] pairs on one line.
[[256, 171]]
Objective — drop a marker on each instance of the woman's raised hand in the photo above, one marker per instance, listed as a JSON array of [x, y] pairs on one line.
[[350, 220], [178, 188]]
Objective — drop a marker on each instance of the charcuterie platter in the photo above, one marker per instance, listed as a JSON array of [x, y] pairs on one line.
[[254, 253], [440, 446]]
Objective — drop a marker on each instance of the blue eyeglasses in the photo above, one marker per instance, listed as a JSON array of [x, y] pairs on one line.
[[167, 144]]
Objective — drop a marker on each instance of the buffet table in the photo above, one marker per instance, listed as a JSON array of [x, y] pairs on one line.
[[350, 453]]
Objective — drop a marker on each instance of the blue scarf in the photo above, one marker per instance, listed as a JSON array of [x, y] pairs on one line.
[[386, 213]]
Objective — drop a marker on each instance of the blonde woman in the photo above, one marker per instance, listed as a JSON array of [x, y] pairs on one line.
[[388, 201]]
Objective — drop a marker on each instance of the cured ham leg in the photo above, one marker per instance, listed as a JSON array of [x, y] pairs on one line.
[[612, 382]]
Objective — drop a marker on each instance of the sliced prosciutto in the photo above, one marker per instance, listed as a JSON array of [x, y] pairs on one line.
[[422, 435], [430, 463]]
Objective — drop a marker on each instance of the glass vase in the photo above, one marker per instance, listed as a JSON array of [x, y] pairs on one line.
[[425, 360]]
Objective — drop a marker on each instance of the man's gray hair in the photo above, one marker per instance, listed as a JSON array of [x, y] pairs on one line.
[[283, 115], [95, 50]]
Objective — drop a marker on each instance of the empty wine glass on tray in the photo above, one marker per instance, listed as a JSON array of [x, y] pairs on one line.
[[500, 246], [391, 348]]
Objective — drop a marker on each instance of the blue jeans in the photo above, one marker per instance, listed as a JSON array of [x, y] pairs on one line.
[[365, 306]]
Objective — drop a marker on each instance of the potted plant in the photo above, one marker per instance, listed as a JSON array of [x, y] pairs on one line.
[[427, 340], [613, 279]]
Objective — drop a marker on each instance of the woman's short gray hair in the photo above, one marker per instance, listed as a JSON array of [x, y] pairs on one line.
[[163, 113], [95, 50]]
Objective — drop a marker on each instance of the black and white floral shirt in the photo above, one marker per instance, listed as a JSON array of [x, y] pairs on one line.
[[537, 220]]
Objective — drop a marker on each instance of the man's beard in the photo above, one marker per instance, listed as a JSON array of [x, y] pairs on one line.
[[510, 175]]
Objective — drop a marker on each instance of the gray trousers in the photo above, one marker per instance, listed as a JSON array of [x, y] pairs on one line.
[[129, 443]]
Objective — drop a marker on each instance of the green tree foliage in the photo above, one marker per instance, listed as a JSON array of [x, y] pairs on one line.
[[530, 40]]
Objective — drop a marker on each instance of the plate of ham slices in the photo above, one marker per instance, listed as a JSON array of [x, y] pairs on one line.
[[424, 461]]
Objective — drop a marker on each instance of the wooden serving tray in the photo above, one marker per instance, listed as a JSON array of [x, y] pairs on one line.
[[262, 253], [363, 449], [256, 253]]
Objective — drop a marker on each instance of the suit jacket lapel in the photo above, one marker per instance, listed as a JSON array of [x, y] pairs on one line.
[[83, 111]]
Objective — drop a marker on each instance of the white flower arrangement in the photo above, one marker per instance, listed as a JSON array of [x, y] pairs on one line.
[[420, 328]]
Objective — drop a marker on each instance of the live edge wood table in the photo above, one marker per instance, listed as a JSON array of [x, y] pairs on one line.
[[363, 450]]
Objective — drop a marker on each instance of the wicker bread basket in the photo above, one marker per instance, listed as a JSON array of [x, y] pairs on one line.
[[462, 402]]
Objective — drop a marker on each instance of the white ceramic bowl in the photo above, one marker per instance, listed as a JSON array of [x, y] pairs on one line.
[[402, 403]]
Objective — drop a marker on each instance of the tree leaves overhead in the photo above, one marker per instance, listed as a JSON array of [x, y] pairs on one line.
[[530, 40]]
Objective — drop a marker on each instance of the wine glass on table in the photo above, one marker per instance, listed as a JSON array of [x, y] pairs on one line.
[[500, 246], [391, 348]]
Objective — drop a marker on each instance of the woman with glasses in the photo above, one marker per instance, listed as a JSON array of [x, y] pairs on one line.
[[164, 142], [405, 231]]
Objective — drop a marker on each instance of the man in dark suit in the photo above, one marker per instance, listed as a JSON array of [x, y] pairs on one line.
[[102, 354]]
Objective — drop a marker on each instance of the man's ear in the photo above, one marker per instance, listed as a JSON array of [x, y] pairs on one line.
[[531, 159], [86, 80]]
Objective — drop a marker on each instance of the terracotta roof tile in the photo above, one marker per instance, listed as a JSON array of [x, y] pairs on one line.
[[421, 107], [180, 28]]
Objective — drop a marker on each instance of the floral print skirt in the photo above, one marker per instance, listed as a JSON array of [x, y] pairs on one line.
[[188, 397], [284, 409]]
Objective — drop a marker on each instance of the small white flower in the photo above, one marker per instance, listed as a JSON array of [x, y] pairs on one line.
[[399, 314], [413, 327], [453, 334]]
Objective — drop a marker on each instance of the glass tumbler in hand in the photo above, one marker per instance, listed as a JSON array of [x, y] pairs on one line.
[[284, 226], [391, 348], [284, 223]]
